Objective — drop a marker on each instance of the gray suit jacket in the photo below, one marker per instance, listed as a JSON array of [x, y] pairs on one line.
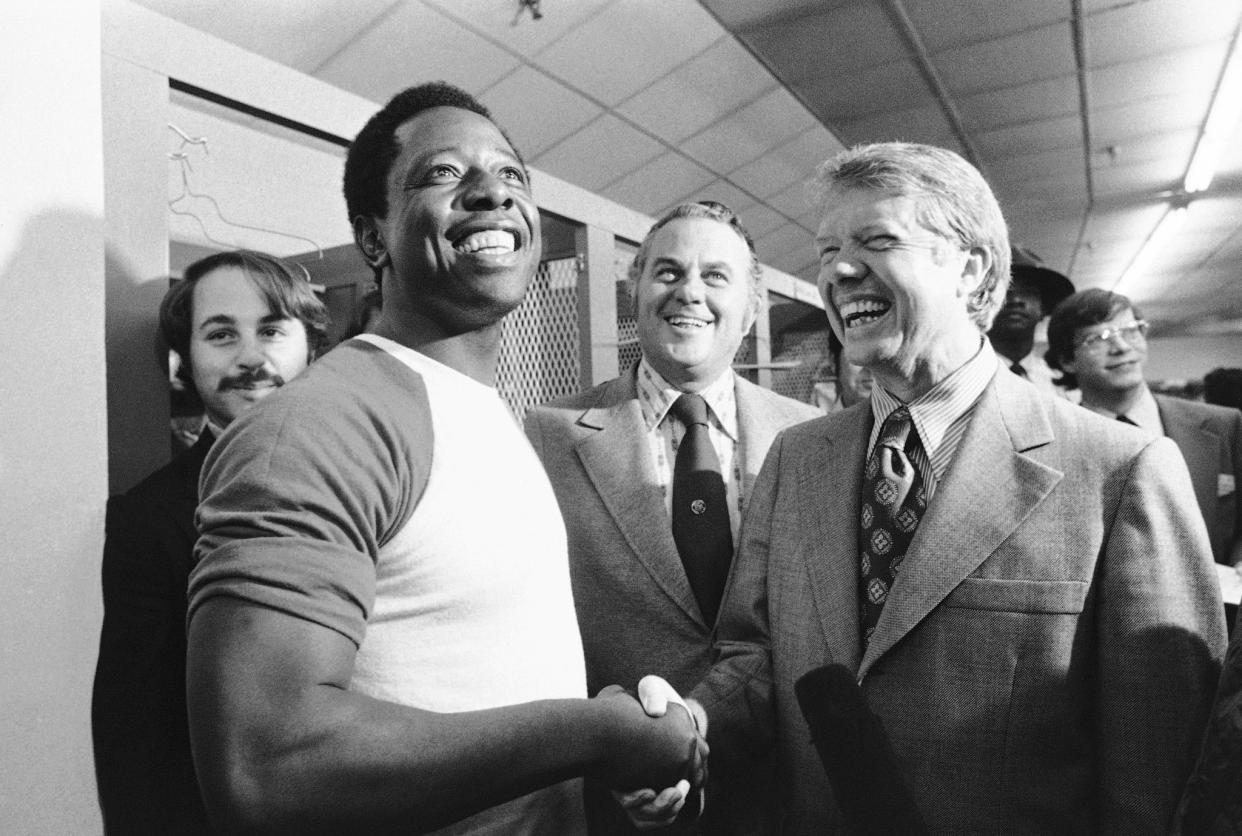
[[635, 608], [1210, 438], [1047, 657]]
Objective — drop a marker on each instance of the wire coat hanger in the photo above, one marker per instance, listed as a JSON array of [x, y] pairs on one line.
[[182, 157]]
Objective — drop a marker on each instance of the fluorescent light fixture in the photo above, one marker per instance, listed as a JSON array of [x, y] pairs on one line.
[[1221, 120], [1166, 228]]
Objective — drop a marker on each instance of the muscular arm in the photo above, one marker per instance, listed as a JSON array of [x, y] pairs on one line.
[[1161, 636], [281, 744]]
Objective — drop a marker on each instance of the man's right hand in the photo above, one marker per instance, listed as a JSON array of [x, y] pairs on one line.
[[646, 751]]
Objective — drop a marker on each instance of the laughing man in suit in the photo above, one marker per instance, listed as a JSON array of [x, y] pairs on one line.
[[1043, 654], [242, 324], [1097, 339], [610, 454]]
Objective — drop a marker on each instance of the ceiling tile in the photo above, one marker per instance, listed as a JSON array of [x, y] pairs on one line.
[[519, 31], [301, 35], [1048, 99], [945, 24], [842, 97], [1033, 55], [578, 157], [747, 133], [441, 44], [793, 162], [1116, 125], [530, 128], [760, 219], [668, 178], [1138, 180], [795, 201], [1003, 144], [629, 45], [699, 92], [722, 191], [781, 245], [1128, 31], [1170, 74], [827, 42], [737, 14], [920, 124]]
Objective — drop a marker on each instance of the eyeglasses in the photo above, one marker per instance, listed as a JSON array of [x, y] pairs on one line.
[[1132, 334]]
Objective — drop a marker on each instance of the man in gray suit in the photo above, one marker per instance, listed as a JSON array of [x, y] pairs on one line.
[[1097, 339], [1022, 591], [612, 454]]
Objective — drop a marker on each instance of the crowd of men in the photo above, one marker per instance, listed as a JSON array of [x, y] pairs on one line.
[[963, 604]]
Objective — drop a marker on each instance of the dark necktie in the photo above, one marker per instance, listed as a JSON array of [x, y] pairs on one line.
[[1123, 419], [893, 501], [1017, 369], [700, 508]]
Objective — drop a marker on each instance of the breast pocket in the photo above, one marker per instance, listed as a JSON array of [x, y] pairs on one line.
[[1009, 595]]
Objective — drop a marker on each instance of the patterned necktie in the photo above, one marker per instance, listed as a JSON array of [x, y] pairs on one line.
[[700, 508], [1123, 419], [893, 502], [1017, 369]]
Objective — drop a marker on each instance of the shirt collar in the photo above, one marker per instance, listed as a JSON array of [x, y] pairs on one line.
[[934, 411], [1145, 412], [656, 396]]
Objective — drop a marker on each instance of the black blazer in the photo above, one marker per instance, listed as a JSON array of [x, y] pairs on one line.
[[138, 710]]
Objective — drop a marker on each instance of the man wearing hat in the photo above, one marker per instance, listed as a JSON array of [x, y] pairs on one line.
[[1033, 292]]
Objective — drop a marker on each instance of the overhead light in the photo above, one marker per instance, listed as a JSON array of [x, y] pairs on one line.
[[1222, 118], [1172, 219]]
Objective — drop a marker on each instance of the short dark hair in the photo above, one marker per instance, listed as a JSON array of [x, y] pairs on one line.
[[1080, 310], [286, 288], [375, 148], [708, 210], [1223, 387]]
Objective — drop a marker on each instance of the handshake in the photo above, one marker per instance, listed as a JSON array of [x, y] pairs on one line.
[[658, 742]]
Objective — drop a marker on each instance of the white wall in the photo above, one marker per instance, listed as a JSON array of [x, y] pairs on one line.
[[53, 468]]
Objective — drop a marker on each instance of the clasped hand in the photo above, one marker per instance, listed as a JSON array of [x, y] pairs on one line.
[[664, 749]]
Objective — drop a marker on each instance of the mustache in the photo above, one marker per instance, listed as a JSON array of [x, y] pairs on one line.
[[248, 380]]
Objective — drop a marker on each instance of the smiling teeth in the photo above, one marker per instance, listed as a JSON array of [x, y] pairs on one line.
[[861, 313], [686, 321], [489, 241]]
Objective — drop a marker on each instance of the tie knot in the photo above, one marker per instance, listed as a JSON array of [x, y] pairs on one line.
[[896, 429], [690, 409]]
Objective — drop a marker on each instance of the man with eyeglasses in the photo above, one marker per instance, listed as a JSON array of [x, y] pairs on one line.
[[1097, 339]]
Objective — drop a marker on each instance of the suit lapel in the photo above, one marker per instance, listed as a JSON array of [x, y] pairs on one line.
[[989, 489], [826, 488], [617, 462], [756, 428], [1200, 449]]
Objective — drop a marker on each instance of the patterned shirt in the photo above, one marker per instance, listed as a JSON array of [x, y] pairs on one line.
[[664, 433], [940, 415]]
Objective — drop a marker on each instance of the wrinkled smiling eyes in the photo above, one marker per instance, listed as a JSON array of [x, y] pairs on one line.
[[1132, 334]]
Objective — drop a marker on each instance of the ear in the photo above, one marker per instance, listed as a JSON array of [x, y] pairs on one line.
[[753, 307], [370, 241], [974, 271]]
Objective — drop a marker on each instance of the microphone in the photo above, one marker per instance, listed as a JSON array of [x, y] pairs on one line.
[[856, 754]]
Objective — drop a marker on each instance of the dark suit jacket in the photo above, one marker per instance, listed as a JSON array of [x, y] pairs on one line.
[[1210, 438], [635, 608], [138, 711], [1046, 659]]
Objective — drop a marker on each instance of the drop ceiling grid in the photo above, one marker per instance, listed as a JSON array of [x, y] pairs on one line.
[[749, 132], [703, 90], [600, 153], [417, 43], [531, 129]]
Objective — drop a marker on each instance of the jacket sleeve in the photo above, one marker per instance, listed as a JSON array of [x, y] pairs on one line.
[[1161, 636]]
